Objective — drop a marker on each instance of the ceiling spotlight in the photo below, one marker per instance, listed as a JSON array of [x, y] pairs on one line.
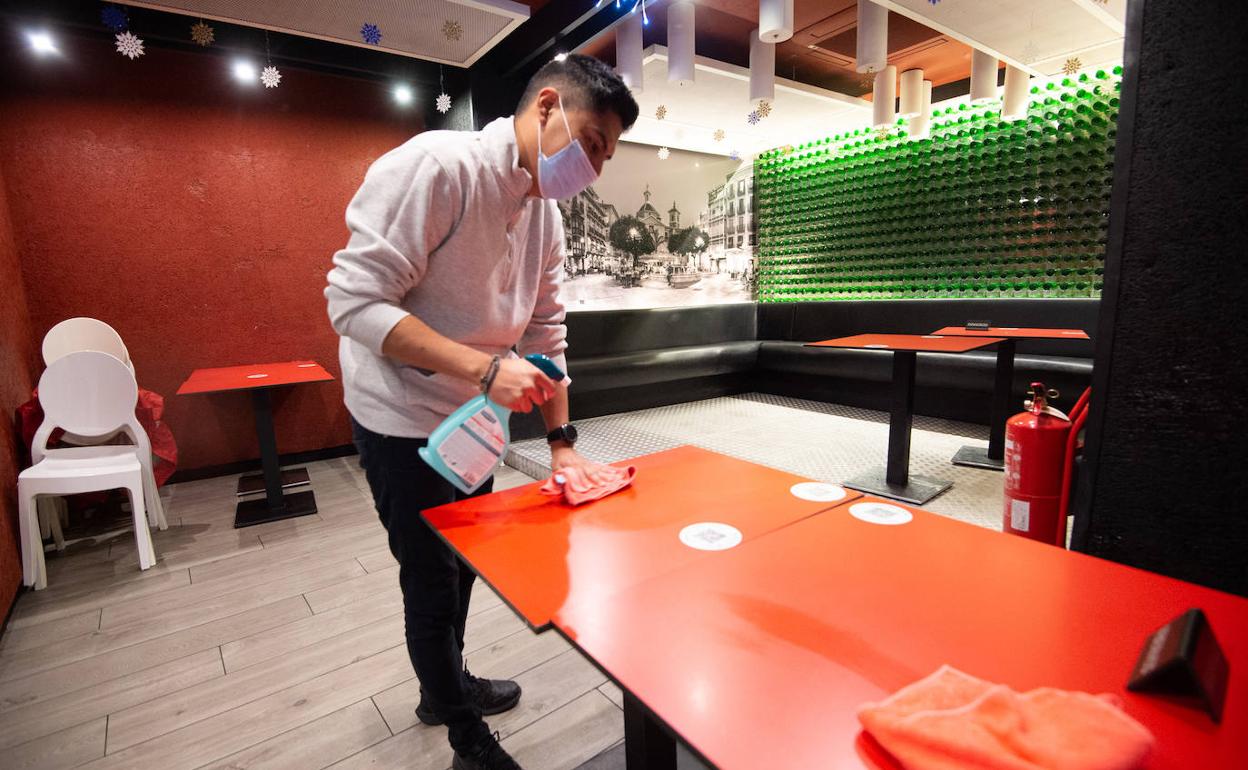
[[403, 95], [245, 72], [560, 56], [41, 42]]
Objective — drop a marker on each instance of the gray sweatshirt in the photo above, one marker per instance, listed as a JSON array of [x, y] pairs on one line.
[[443, 229]]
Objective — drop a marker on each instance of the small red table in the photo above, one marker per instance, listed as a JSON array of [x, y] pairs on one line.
[[993, 458], [761, 658], [260, 379], [895, 480], [543, 555]]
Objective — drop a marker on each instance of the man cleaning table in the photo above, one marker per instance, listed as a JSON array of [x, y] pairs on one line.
[[454, 261]]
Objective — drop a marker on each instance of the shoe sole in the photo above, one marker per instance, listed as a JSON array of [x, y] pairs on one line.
[[433, 720]]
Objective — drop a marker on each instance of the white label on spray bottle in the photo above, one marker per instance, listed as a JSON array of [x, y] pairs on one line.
[[1020, 515], [485, 426], [473, 459]]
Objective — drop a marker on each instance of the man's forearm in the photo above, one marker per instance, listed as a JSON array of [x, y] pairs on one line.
[[555, 411], [413, 342]]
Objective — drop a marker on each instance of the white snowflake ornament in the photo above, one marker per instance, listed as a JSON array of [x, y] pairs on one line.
[[443, 103], [664, 153], [129, 45], [270, 77]]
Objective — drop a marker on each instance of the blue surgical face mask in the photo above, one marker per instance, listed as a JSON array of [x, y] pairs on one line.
[[568, 171]]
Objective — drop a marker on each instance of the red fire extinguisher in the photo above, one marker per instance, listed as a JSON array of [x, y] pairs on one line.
[[1035, 464]]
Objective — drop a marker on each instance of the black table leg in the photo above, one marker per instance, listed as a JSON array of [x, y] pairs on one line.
[[275, 505], [993, 458], [895, 480], [647, 746]]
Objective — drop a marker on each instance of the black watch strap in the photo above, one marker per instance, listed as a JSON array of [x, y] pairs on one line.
[[565, 432]]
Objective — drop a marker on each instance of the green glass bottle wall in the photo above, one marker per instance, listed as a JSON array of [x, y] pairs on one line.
[[982, 208]]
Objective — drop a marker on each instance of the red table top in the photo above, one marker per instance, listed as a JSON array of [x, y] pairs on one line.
[[542, 555], [253, 376], [767, 652], [919, 343], [1014, 332]]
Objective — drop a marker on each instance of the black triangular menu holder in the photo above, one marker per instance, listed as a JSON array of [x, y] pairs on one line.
[[1183, 658]]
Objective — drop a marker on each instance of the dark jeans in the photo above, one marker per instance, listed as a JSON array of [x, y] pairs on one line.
[[436, 583]]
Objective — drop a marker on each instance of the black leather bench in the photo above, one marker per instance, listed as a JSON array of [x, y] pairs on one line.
[[623, 360]]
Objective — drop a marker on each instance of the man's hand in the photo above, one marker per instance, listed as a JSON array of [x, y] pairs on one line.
[[563, 456], [520, 386]]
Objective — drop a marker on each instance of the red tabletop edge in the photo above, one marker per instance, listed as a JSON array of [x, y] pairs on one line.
[[247, 377], [1015, 332], [920, 343]]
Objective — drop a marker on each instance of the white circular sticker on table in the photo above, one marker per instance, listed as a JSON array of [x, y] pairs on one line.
[[710, 536], [256, 376], [818, 492], [933, 336], [880, 513], [306, 366], [875, 346]]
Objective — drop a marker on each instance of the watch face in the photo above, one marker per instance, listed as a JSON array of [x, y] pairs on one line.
[[570, 432]]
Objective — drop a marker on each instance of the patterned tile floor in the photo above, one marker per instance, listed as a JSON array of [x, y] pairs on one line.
[[821, 441]]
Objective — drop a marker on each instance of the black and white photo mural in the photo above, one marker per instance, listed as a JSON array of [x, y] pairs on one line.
[[661, 232]]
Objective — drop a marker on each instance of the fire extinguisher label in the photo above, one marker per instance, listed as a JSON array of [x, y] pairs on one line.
[[1020, 515]]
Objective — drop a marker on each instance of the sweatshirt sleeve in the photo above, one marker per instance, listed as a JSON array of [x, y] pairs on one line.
[[546, 332], [405, 209]]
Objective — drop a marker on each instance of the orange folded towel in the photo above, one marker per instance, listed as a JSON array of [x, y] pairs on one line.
[[953, 721], [576, 487]]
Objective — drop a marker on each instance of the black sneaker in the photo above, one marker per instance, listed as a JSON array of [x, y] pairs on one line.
[[490, 696], [485, 756]]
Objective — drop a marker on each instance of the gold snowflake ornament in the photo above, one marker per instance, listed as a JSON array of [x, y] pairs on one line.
[[763, 109], [660, 112], [452, 30], [202, 34], [719, 135], [1072, 65]]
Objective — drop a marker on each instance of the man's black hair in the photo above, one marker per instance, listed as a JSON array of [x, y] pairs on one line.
[[584, 82]]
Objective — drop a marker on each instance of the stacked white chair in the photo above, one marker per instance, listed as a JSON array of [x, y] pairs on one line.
[[88, 393], [71, 336]]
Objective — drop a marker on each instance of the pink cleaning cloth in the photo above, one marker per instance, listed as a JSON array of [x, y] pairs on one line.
[[576, 487], [953, 721]]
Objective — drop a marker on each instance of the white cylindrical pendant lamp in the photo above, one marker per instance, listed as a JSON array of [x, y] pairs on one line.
[[775, 20], [1016, 93], [680, 43], [628, 51], [884, 98], [872, 37], [983, 76], [920, 126], [911, 93], [762, 70]]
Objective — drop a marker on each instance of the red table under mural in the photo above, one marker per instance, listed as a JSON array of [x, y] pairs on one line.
[[259, 379]]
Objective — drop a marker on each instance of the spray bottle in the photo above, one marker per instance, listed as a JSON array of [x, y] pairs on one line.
[[467, 447]]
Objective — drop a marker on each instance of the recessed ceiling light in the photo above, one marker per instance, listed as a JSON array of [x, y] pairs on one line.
[[245, 72], [41, 42], [403, 95]]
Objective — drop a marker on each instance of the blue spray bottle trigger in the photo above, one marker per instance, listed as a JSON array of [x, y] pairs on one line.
[[549, 368]]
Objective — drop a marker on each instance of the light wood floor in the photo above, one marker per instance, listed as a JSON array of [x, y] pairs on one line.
[[275, 646]]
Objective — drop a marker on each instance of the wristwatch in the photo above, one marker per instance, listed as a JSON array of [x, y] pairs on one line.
[[565, 432]]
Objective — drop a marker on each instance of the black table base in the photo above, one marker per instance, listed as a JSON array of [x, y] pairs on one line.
[[647, 746], [274, 506], [254, 482], [978, 457], [993, 458], [917, 490]]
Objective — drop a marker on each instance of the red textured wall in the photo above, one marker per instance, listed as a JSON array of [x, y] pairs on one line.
[[16, 372], [195, 216]]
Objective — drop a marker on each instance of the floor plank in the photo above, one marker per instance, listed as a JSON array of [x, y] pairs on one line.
[[570, 736], [47, 605], [65, 749], [315, 744], [127, 660], [89, 703], [19, 639]]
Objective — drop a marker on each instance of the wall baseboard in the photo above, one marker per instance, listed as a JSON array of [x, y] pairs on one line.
[[249, 466]]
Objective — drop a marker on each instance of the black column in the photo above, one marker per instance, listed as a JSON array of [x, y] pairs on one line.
[[1167, 442], [1001, 398], [647, 746], [262, 405], [900, 418]]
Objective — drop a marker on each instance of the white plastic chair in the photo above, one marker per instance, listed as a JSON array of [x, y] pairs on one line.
[[72, 336], [91, 393]]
